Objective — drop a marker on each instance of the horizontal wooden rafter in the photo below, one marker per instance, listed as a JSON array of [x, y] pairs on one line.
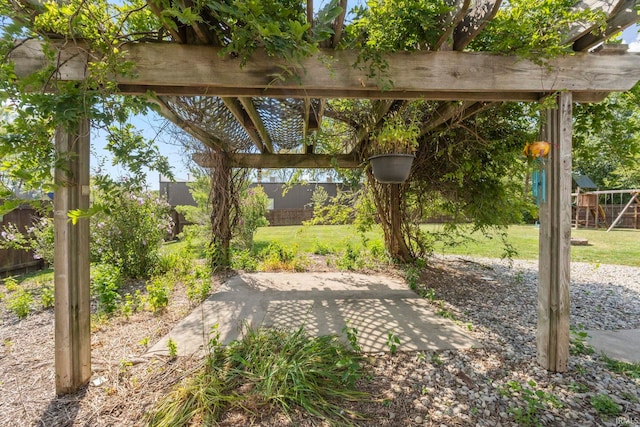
[[275, 161], [429, 75]]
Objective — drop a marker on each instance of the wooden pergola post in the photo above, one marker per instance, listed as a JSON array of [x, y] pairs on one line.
[[71, 262], [555, 241]]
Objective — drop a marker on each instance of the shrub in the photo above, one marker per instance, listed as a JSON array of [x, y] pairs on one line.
[[105, 284], [158, 292], [38, 238], [276, 257], [253, 208], [132, 303], [19, 302], [129, 231], [47, 296], [198, 284], [243, 260]]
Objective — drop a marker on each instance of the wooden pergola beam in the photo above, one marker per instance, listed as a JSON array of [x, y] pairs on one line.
[[276, 161], [579, 29], [251, 110], [200, 134], [480, 14], [457, 14], [429, 75], [625, 16], [243, 119], [157, 10]]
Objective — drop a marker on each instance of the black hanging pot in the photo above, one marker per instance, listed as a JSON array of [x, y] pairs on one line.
[[391, 168]]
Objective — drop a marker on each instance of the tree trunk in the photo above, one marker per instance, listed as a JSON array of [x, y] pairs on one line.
[[221, 198], [389, 200]]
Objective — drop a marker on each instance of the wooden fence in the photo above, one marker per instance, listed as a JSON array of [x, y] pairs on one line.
[[13, 261]]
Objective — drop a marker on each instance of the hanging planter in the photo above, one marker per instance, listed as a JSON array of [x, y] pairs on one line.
[[391, 168], [393, 147]]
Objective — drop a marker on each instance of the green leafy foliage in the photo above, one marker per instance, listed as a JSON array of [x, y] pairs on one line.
[[159, 290], [269, 368], [106, 281], [385, 26], [253, 208], [536, 29], [277, 26], [128, 229], [605, 405], [535, 402], [19, 301]]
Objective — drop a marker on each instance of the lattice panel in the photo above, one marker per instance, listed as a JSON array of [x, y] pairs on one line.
[[211, 115], [283, 119]]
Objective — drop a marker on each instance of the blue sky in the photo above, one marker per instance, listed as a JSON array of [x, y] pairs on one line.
[[152, 127]]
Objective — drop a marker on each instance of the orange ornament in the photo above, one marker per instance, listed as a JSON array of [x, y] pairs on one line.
[[537, 149]]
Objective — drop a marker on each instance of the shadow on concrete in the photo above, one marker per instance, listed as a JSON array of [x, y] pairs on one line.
[[324, 303]]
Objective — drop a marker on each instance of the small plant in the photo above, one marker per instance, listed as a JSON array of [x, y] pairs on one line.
[[605, 405], [132, 303], [47, 296], [172, 346], [428, 293], [412, 275], [198, 283], [631, 370], [350, 259], [352, 337], [243, 260], [578, 344], [158, 292], [536, 401], [144, 342], [519, 277], [11, 284], [276, 257], [436, 359], [393, 341], [105, 284], [443, 312], [19, 302], [396, 136], [267, 368], [320, 248]]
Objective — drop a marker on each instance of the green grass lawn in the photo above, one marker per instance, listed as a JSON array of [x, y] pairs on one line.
[[615, 247]]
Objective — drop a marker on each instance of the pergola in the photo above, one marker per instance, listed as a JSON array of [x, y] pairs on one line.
[[259, 122]]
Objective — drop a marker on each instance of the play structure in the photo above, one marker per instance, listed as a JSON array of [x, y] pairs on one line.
[[606, 209]]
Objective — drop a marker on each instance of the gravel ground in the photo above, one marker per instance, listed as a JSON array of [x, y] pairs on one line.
[[498, 385]]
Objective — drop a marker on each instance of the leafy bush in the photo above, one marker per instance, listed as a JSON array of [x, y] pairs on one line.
[[19, 302], [38, 238], [198, 284], [275, 257], [158, 292], [129, 230], [105, 283], [243, 260], [178, 263], [132, 303], [282, 369], [253, 208], [47, 296]]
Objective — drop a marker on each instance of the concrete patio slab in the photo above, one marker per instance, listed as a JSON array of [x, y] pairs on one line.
[[324, 302], [623, 345]]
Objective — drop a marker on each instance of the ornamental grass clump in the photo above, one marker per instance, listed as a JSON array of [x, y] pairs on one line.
[[267, 368]]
